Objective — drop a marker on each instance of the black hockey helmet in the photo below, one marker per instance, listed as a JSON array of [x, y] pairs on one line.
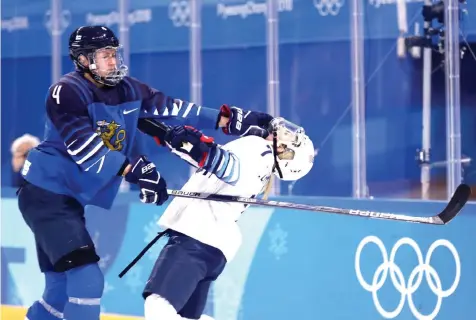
[[89, 41]]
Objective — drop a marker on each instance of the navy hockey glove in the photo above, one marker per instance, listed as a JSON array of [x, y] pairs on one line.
[[153, 188], [201, 151], [188, 140], [244, 123]]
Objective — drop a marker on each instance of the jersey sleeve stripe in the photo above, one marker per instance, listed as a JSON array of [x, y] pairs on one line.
[[223, 164], [215, 161], [233, 170], [84, 145], [189, 107], [87, 147], [92, 152]]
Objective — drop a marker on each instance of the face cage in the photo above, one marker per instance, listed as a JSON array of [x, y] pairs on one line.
[[288, 135], [114, 76]]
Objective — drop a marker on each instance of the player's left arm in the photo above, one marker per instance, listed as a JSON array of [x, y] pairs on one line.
[[157, 106]]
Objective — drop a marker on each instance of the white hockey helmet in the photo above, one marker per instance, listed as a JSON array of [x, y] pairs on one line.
[[295, 151]]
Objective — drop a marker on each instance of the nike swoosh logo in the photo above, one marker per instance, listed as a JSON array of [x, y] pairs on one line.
[[129, 111]]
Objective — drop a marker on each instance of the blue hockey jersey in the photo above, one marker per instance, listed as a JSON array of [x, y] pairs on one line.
[[90, 132]]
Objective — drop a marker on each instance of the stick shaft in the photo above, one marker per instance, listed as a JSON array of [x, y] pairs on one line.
[[306, 207]]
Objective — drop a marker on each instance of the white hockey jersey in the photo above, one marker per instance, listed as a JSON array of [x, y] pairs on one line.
[[212, 222]]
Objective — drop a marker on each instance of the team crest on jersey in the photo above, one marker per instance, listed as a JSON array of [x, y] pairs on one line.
[[110, 134]]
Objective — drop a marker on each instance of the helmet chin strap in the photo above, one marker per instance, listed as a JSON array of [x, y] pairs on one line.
[[97, 78], [275, 147]]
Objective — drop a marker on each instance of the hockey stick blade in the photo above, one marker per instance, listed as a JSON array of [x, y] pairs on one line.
[[456, 203]]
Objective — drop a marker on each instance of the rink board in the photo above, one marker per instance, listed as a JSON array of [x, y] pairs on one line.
[[292, 264]]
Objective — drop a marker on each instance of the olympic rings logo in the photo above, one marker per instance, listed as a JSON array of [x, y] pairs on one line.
[[179, 13], [415, 279], [328, 7]]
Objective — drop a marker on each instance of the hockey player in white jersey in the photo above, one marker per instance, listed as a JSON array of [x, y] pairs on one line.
[[204, 235]]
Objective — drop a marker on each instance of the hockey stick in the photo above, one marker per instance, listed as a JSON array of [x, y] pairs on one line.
[[457, 202]]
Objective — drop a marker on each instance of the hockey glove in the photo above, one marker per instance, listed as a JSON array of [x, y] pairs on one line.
[[191, 142], [244, 123], [153, 188]]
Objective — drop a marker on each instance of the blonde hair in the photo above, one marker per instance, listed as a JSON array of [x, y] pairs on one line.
[[26, 138]]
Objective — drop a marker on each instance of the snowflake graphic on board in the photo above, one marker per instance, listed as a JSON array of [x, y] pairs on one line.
[[108, 287], [150, 230], [278, 243], [134, 279]]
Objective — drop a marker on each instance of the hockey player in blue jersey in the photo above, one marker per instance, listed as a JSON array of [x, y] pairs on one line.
[[93, 115]]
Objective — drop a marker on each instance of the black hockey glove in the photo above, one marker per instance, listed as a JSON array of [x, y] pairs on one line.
[[153, 188]]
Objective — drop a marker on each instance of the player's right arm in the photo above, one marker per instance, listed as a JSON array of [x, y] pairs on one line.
[[69, 116], [202, 152], [189, 143], [244, 160]]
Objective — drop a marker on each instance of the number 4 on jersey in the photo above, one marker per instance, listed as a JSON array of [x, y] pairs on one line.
[[56, 92]]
